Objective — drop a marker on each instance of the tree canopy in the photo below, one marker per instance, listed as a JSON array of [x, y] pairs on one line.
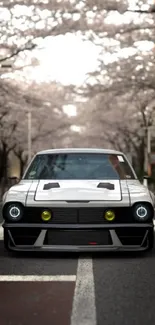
[[115, 104]]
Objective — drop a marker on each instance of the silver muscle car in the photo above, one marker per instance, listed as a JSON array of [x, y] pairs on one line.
[[78, 200]]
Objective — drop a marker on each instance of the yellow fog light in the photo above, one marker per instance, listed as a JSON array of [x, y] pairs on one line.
[[109, 215], [46, 215]]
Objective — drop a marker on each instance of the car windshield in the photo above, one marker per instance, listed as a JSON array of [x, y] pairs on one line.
[[76, 166]]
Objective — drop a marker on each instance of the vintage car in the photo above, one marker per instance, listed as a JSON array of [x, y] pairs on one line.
[[78, 200]]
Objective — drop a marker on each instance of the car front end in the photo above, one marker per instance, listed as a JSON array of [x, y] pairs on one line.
[[78, 215]]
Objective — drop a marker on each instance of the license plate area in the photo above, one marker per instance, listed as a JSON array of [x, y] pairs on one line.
[[78, 237]]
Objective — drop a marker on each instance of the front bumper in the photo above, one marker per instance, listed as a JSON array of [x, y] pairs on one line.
[[78, 238]]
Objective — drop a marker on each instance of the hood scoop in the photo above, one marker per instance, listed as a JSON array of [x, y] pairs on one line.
[[78, 190], [48, 186], [108, 186]]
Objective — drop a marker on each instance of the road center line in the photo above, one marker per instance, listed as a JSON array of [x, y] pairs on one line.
[[40, 278], [84, 307]]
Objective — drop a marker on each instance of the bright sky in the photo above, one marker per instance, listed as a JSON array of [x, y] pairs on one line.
[[68, 59]]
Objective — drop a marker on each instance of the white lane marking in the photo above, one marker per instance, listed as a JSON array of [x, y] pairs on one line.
[[84, 308], [44, 278]]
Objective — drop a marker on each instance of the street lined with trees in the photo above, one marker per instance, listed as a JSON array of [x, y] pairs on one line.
[[116, 102]]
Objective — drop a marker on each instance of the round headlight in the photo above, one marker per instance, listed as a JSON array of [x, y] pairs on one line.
[[109, 215], [142, 212], [14, 212], [46, 215]]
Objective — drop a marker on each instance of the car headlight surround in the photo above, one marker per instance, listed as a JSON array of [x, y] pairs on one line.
[[14, 212], [109, 215], [142, 212], [46, 215]]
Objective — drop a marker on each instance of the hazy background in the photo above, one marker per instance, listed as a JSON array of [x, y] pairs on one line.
[[85, 73]]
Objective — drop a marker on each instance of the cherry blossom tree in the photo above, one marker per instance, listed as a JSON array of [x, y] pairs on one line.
[[119, 95], [49, 123]]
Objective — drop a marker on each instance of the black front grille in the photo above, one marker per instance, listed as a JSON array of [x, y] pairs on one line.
[[64, 216], [78, 237], [77, 215]]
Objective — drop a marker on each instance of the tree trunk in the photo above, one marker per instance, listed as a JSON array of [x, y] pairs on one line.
[[22, 162], [3, 162], [22, 166]]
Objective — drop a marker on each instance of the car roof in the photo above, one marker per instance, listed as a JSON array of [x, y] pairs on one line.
[[79, 150]]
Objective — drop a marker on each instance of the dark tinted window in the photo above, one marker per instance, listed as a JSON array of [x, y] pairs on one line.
[[79, 166]]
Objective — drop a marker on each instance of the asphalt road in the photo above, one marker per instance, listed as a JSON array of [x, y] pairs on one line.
[[69, 289]]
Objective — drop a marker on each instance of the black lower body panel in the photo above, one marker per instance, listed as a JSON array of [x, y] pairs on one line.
[[60, 237], [80, 237]]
